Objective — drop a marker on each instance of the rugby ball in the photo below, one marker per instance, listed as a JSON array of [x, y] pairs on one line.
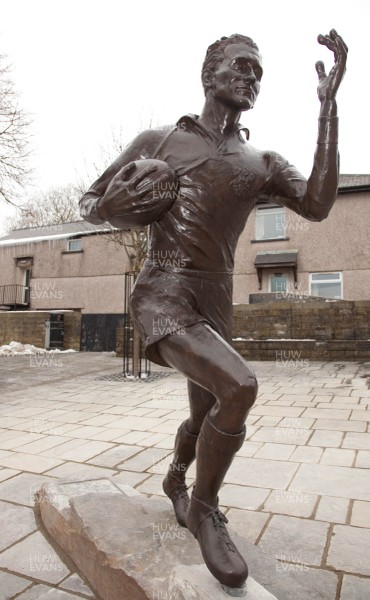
[[149, 197]]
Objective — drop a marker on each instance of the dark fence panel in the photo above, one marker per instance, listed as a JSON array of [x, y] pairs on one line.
[[98, 331]]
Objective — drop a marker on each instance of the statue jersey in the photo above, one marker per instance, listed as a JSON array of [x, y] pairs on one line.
[[220, 183]]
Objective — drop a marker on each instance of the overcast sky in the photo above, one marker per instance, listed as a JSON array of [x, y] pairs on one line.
[[85, 68]]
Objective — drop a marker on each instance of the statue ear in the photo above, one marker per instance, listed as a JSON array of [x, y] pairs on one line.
[[207, 78]]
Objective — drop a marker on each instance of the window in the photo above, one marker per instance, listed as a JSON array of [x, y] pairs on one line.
[[278, 282], [326, 285], [270, 222], [74, 245]]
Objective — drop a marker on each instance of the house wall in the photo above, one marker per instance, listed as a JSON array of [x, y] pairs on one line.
[[339, 243], [91, 281]]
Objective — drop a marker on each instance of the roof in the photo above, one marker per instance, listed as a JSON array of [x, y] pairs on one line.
[[52, 232], [347, 184], [353, 183]]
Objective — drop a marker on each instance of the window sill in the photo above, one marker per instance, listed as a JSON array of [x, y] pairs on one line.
[[72, 251], [285, 239]]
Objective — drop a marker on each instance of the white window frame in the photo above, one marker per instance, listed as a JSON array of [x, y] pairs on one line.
[[339, 280], [73, 241], [269, 209]]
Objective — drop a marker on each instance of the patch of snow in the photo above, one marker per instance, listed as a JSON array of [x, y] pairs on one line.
[[18, 349]]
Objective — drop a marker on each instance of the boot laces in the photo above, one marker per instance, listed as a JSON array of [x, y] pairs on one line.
[[181, 492], [219, 521]]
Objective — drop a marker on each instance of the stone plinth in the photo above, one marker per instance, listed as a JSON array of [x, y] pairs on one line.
[[129, 547]]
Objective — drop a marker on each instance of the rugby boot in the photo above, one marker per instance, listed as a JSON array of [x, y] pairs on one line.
[[174, 483], [215, 452]]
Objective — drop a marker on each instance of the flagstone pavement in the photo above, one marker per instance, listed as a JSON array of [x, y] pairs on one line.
[[299, 487]]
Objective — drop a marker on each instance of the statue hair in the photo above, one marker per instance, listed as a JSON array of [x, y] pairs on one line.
[[215, 52]]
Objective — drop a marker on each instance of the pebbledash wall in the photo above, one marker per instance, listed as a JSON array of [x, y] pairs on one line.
[[289, 331], [340, 243], [90, 280]]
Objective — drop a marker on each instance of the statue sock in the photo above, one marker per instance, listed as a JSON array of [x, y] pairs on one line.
[[174, 483], [215, 452]]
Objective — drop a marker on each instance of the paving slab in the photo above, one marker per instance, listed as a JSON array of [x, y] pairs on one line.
[[29, 462], [338, 456], [306, 454], [11, 585], [293, 502], [147, 459], [295, 540], [358, 441], [326, 439], [21, 489], [355, 588], [74, 583], [74, 470], [15, 523], [282, 435], [332, 510], [7, 473], [360, 514], [327, 480], [248, 523], [259, 472], [57, 595], [238, 496], [34, 557], [349, 550], [115, 455]]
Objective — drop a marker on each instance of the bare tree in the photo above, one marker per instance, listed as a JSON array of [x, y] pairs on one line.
[[134, 241], [14, 139], [51, 207]]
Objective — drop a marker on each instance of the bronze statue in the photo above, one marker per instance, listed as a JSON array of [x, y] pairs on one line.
[[182, 301]]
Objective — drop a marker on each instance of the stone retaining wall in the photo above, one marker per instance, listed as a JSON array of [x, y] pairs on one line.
[[28, 327], [317, 330]]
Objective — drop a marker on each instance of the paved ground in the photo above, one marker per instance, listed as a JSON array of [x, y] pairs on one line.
[[300, 486]]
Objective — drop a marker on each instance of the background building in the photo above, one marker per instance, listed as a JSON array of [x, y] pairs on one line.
[[80, 267], [281, 252]]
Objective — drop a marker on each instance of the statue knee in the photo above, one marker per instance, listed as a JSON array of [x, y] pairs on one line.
[[243, 394]]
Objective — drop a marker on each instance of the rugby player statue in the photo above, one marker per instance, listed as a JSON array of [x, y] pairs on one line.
[[196, 183]]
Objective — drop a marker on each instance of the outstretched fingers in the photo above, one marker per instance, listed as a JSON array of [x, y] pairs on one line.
[[335, 43]]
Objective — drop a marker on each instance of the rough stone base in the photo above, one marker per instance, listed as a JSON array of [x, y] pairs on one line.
[[129, 547]]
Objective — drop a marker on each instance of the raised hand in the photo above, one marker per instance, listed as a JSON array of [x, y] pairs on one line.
[[329, 84]]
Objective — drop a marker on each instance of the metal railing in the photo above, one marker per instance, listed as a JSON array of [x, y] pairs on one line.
[[135, 364], [14, 295]]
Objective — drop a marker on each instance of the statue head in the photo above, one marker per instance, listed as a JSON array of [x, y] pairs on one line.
[[233, 62]]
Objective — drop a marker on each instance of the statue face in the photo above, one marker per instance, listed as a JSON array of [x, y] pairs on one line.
[[236, 81]]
